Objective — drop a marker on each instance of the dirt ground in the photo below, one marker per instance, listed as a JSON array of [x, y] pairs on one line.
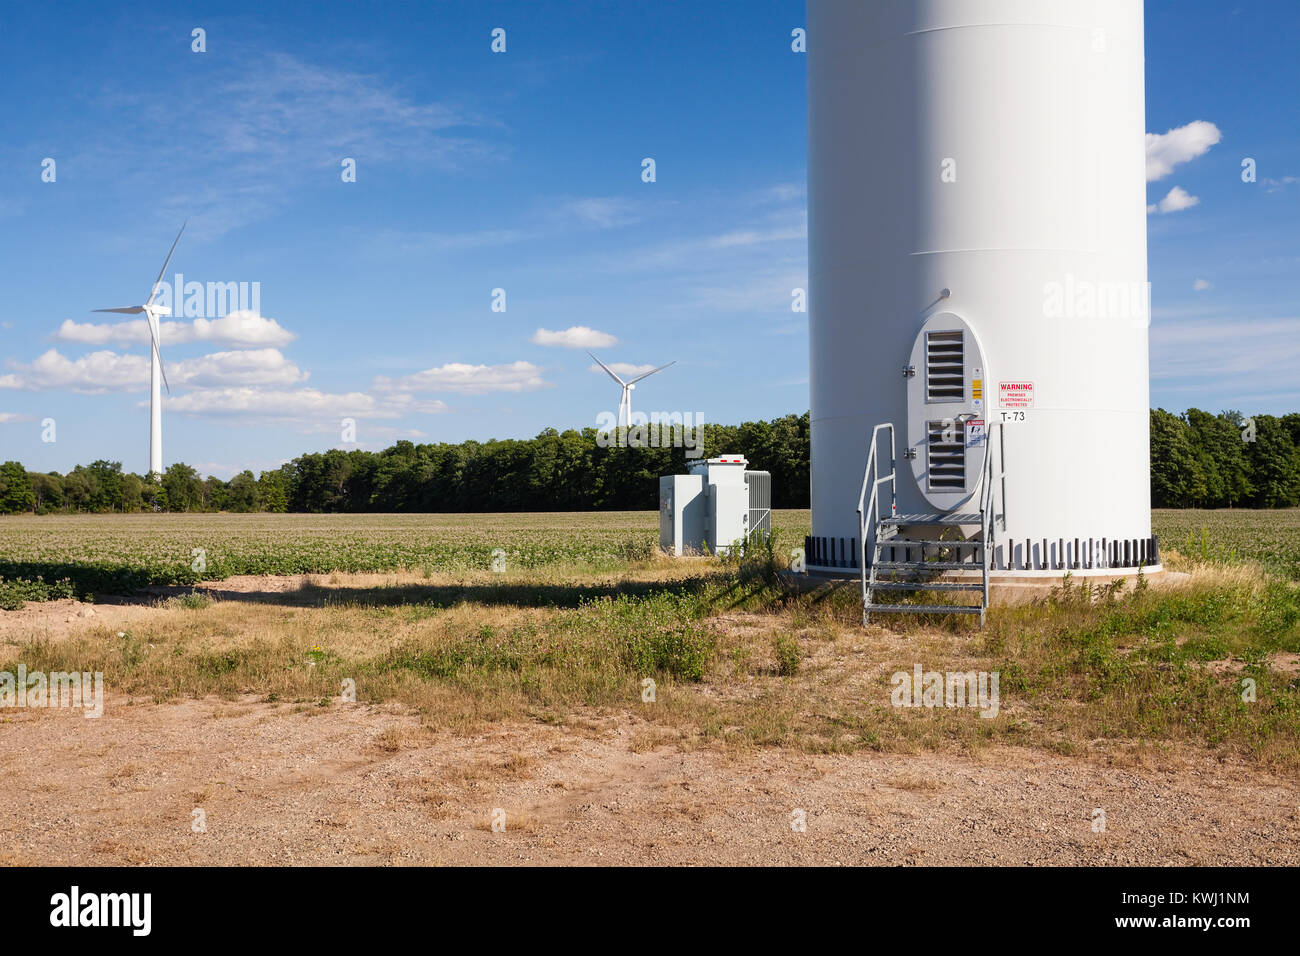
[[283, 784], [358, 784]]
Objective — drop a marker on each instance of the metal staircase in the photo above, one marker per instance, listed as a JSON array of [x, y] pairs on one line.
[[904, 559]]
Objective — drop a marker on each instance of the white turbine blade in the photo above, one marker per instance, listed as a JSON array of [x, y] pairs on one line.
[[153, 291], [129, 310], [161, 367], [607, 369], [157, 348], [651, 372]]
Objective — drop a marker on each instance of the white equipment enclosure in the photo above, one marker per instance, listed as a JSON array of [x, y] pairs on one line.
[[717, 506]]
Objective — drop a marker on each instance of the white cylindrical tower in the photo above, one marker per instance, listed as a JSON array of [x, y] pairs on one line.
[[155, 397], [977, 255]]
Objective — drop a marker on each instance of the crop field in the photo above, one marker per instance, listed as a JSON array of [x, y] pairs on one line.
[[79, 555], [1269, 538]]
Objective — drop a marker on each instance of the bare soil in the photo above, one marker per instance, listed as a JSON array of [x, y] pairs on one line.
[[357, 784]]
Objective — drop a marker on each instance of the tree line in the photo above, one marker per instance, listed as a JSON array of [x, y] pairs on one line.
[[556, 471], [1198, 460]]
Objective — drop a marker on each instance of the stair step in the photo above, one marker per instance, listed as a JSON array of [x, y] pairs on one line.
[[923, 543], [940, 517], [926, 586], [924, 608], [923, 566]]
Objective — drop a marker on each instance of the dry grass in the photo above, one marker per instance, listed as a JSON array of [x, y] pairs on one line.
[[738, 662]]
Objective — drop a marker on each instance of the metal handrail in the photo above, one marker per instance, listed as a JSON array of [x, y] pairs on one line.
[[988, 512], [988, 502], [1002, 468], [871, 476]]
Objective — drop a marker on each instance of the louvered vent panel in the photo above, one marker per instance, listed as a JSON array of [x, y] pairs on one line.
[[945, 367], [946, 455]]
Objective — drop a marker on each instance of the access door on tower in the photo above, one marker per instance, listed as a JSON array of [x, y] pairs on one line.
[[947, 437]]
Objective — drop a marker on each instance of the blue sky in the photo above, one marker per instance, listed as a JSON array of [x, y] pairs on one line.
[[522, 171]]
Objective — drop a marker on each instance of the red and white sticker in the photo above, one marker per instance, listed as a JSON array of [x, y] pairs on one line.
[[1016, 394]]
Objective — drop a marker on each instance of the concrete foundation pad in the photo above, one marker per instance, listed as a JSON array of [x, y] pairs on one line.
[[1004, 591]]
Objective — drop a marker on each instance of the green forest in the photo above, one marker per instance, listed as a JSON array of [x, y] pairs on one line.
[[1198, 460]]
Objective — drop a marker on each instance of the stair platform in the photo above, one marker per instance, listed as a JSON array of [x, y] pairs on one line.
[[929, 609], [879, 585], [927, 566], [931, 518]]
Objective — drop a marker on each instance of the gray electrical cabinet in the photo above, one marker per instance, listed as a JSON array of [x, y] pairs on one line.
[[717, 506]]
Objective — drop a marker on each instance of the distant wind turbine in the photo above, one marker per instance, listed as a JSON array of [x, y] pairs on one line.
[[625, 400], [152, 312]]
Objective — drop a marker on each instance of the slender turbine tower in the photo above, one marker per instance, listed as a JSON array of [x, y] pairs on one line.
[[152, 312], [625, 400]]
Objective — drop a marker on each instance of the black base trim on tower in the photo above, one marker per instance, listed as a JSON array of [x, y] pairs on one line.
[[1020, 554], [824, 552]]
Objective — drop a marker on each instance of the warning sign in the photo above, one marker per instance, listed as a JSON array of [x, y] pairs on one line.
[[975, 432], [1016, 394]]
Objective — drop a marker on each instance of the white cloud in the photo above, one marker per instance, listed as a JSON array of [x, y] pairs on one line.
[[1176, 200], [561, 217], [749, 237], [1179, 145], [300, 404], [624, 370], [467, 379], [574, 337], [97, 372], [108, 371], [1272, 185], [249, 367], [1220, 358], [764, 289], [288, 107], [268, 116], [6, 417], [240, 327], [1201, 285], [780, 229], [101, 333], [601, 212]]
